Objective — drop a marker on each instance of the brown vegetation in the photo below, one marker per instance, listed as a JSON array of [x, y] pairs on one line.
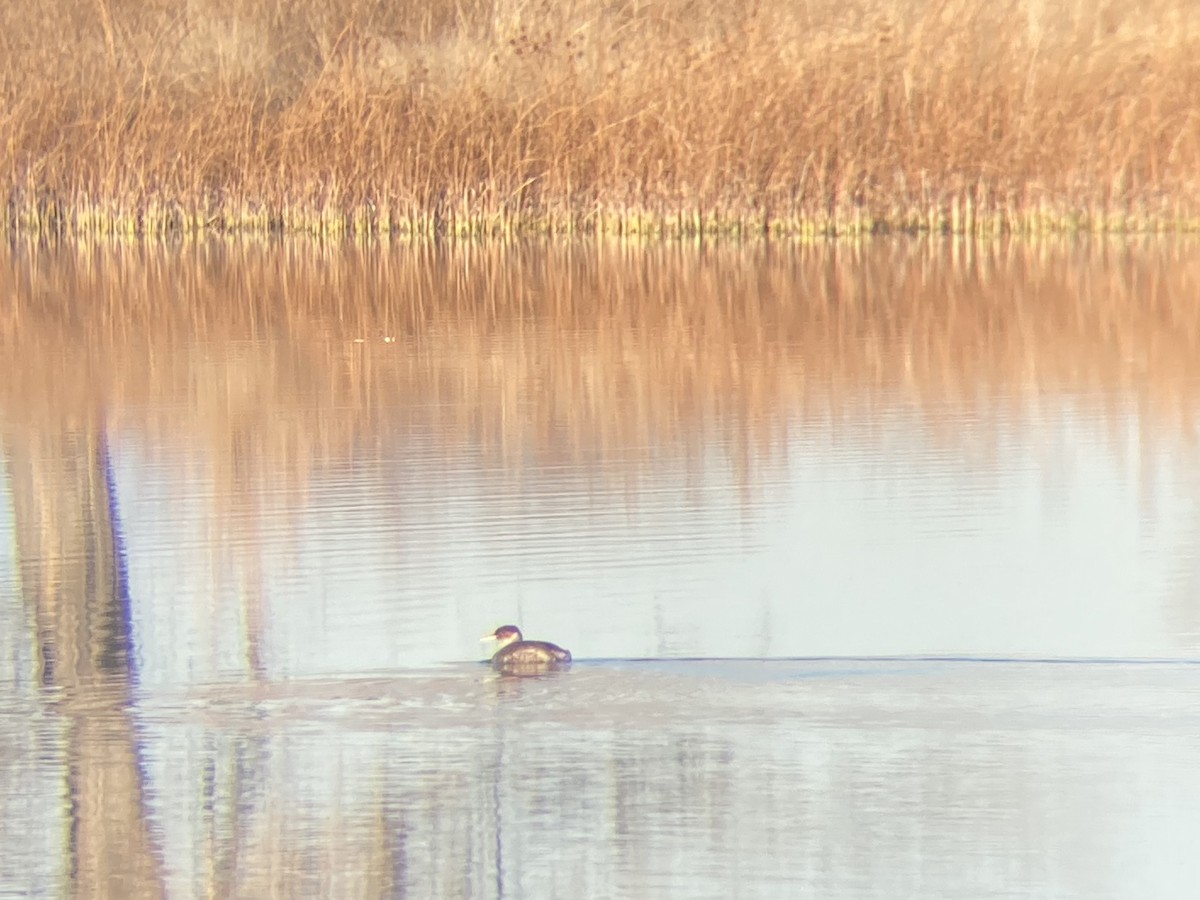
[[630, 116]]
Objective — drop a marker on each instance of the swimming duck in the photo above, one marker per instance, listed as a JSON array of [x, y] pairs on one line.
[[517, 656]]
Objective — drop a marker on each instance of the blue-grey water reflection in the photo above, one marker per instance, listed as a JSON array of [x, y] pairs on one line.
[[879, 568]]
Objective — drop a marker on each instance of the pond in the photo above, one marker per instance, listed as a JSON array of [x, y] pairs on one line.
[[878, 562]]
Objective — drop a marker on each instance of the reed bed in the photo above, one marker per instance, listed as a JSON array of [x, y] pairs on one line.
[[631, 117]]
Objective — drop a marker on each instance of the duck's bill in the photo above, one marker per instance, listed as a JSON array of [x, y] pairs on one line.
[[487, 637]]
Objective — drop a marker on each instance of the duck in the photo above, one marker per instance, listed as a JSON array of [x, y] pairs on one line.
[[517, 656]]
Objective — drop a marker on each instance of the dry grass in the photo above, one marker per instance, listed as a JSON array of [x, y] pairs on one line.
[[629, 116]]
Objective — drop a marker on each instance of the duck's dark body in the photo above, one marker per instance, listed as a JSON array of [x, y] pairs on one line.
[[521, 657]]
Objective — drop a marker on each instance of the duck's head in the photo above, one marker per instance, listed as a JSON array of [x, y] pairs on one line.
[[505, 634]]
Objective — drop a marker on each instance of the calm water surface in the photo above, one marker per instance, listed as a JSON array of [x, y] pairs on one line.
[[879, 565]]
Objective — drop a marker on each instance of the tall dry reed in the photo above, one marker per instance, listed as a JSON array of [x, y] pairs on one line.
[[630, 116]]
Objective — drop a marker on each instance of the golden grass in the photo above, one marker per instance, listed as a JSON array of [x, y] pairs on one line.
[[658, 117]]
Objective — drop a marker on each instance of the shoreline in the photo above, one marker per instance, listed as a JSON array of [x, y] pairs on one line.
[[959, 217]]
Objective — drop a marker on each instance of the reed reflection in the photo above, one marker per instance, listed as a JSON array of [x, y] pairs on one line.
[[544, 353]]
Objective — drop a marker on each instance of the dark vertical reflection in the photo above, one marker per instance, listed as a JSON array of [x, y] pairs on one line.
[[498, 818], [68, 552], [501, 693], [73, 579]]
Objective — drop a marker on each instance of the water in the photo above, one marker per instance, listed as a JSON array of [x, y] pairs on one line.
[[878, 562]]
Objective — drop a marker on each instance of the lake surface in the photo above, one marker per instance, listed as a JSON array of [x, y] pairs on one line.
[[879, 564]]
